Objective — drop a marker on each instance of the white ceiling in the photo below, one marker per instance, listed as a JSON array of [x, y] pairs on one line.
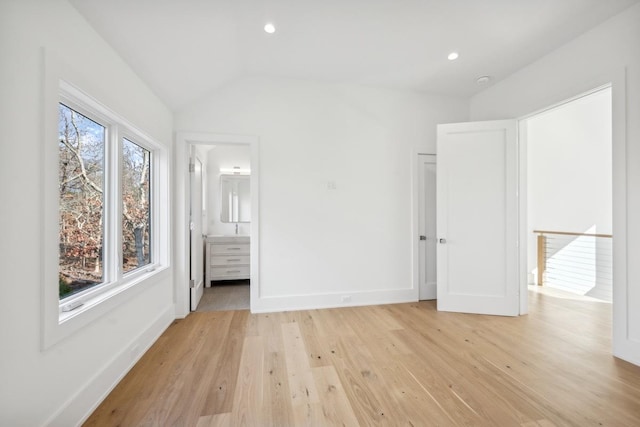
[[185, 49]]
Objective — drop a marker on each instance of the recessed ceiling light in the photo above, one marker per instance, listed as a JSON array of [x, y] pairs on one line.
[[483, 80], [453, 56], [269, 28]]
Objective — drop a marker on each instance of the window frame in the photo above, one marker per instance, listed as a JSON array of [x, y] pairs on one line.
[[117, 286], [102, 121]]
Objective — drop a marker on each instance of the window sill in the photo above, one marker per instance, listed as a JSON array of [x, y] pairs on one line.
[[103, 297], [62, 324]]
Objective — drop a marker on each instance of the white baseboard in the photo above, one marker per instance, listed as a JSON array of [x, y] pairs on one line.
[[81, 405], [334, 300], [626, 349]]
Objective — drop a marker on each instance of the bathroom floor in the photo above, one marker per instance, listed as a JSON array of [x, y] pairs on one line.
[[229, 295]]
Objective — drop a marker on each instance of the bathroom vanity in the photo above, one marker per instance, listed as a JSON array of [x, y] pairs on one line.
[[227, 258]]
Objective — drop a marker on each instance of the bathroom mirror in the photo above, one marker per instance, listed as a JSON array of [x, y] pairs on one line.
[[236, 198]]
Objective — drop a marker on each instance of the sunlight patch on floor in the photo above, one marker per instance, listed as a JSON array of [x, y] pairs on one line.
[[557, 293]]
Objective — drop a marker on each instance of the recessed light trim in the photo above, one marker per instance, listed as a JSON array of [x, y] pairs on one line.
[[483, 80], [269, 28], [453, 56]]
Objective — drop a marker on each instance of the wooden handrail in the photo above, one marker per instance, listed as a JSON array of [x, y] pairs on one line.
[[568, 233], [542, 259]]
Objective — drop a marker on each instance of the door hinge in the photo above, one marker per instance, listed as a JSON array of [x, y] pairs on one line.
[[192, 167], [192, 284]]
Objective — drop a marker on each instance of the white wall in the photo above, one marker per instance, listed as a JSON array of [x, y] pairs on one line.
[[59, 386], [608, 53], [318, 244], [223, 156]]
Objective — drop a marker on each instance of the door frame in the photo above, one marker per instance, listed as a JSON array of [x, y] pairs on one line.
[[623, 346], [184, 140]]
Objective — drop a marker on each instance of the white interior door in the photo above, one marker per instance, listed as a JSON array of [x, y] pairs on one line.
[[477, 218], [427, 227], [195, 236]]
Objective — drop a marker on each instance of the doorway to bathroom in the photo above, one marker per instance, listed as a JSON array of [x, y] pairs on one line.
[[220, 215], [226, 218]]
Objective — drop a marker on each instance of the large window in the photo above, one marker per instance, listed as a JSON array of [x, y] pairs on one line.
[[105, 192], [106, 206], [81, 212]]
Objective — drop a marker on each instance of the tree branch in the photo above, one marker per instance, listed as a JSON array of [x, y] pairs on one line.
[[76, 153]]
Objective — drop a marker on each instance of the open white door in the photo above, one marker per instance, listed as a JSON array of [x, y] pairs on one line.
[[477, 218], [195, 226]]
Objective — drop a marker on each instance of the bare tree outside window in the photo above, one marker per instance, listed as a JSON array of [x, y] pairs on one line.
[[82, 226], [81, 150], [136, 174]]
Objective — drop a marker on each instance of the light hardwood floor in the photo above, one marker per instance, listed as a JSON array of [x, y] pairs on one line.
[[394, 365]]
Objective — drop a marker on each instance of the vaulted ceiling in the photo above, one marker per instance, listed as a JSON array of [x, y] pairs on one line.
[[185, 49]]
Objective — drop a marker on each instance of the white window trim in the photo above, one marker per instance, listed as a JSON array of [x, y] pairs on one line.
[[118, 287]]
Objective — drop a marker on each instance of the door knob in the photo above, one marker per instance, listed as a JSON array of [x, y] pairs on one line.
[[443, 241]]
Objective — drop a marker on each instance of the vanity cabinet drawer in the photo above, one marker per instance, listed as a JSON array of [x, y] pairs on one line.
[[229, 272], [224, 260], [229, 248]]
